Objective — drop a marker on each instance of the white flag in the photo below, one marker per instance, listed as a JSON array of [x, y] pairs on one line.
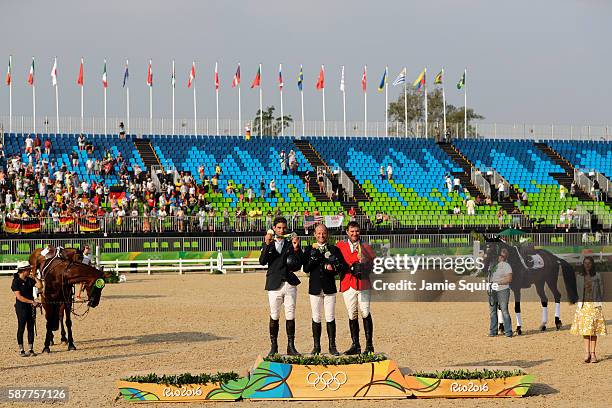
[[401, 78], [54, 73], [342, 80]]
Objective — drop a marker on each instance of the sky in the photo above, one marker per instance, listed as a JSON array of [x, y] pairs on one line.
[[544, 61]]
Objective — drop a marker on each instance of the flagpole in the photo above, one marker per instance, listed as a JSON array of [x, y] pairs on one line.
[[323, 96], [365, 104], [464, 105], [105, 128], [195, 108], [10, 95], [426, 113], [239, 109], [57, 127], [173, 85], [217, 94], [343, 102], [82, 86], [127, 97], [405, 105], [34, 96], [443, 104], [386, 101], [280, 70], [260, 105], [151, 101]]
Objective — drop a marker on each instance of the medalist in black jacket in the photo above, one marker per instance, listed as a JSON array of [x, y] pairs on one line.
[[277, 264], [321, 278]]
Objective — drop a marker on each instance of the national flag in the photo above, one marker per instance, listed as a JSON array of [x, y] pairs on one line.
[[311, 220], [104, 77], [150, 76], [257, 80], [439, 78], [89, 224], [280, 76], [54, 73], [342, 80], [383, 81], [461, 82], [401, 78], [192, 75], [12, 227], [321, 80], [334, 221], [66, 221], [80, 78], [236, 79], [31, 75], [300, 79], [30, 226], [8, 73], [216, 76], [420, 81], [126, 75], [364, 79]]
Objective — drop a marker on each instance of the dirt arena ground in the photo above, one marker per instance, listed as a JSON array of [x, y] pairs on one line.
[[209, 323]]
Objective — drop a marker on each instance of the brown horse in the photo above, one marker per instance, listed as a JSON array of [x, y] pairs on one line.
[[60, 276], [37, 261]]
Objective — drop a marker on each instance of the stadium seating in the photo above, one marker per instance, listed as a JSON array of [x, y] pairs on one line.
[[586, 155]]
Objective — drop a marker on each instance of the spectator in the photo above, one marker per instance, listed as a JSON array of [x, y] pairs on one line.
[[596, 190], [307, 180], [470, 204], [500, 217], [262, 187], [215, 184], [389, 172], [250, 195], [29, 145], [121, 130], [457, 184], [352, 213], [456, 210], [449, 183], [525, 198], [562, 191], [37, 145], [272, 187], [81, 141], [217, 169], [501, 191], [381, 172], [573, 188]]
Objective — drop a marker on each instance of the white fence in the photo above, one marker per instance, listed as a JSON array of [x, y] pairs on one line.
[[164, 126]]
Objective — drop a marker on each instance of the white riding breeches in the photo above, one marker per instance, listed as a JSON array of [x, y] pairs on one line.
[[357, 300], [285, 295], [321, 302]]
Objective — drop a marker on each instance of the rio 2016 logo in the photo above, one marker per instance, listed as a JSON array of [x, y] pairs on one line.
[[326, 380]]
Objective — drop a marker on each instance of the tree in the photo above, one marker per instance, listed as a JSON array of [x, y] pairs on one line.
[[271, 125], [416, 111]]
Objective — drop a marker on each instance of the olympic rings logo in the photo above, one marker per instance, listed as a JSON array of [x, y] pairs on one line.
[[326, 380]]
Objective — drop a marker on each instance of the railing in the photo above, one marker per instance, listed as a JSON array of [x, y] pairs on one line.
[[604, 184], [583, 182], [480, 182], [155, 169], [497, 178], [163, 126], [113, 225], [347, 184], [212, 264]]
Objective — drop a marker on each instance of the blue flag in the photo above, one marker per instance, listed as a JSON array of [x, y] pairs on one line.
[[300, 78], [126, 75]]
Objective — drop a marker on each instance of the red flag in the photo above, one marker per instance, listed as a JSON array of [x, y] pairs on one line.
[[236, 80], [257, 80], [150, 75], [8, 73], [80, 77], [191, 75], [363, 79], [216, 76], [321, 80], [31, 74]]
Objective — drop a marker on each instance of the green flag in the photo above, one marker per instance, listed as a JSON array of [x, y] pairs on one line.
[[461, 82]]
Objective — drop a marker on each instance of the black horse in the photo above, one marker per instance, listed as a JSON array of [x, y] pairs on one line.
[[534, 267]]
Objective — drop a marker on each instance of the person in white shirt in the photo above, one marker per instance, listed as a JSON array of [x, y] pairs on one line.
[[456, 184], [502, 190], [29, 143], [470, 204], [272, 187], [389, 172], [449, 183], [500, 277]]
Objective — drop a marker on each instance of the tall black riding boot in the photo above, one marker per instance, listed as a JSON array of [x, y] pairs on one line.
[[368, 328], [355, 347], [331, 335], [290, 325], [316, 336], [273, 337]]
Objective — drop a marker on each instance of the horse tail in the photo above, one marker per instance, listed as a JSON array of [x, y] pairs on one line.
[[569, 278]]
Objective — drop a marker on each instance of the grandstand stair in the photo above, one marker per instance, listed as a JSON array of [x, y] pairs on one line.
[[566, 178], [315, 160], [145, 149]]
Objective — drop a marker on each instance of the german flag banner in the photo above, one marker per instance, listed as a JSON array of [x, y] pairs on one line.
[[66, 221], [22, 226], [12, 227], [30, 226], [89, 224]]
